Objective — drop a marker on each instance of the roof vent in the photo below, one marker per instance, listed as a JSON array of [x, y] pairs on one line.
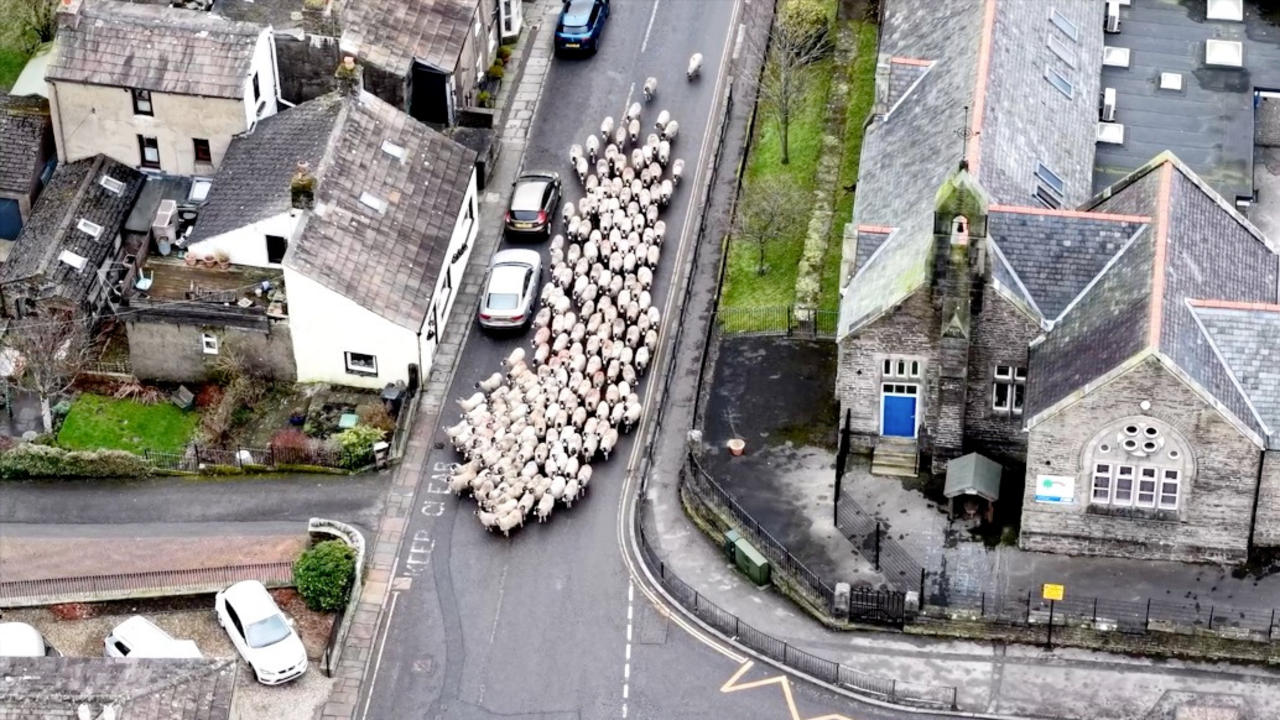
[[113, 186], [72, 259], [90, 228], [393, 150], [374, 202]]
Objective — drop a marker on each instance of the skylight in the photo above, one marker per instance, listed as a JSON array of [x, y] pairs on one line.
[[393, 150], [374, 202], [72, 259], [90, 228], [1067, 27], [1059, 81], [1059, 48], [113, 186]]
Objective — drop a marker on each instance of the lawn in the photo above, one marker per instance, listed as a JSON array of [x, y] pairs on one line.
[[744, 286], [97, 422], [862, 91], [13, 47]]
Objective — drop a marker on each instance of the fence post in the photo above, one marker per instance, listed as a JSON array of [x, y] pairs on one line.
[[984, 604], [1028, 607], [271, 455], [877, 546], [1211, 609], [954, 705], [239, 462], [146, 455], [1271, 626], [921, 588], [893, 688], [196, 448], [1095, 611], [788, 321], [1146, 624]]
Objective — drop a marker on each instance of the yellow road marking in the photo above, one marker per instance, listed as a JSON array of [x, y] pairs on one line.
[[782, 681]]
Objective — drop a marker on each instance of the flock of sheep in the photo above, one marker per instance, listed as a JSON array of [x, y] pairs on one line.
[[529, 434]]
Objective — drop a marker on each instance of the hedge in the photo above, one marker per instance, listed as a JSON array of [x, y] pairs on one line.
[[324, 573], [32, 461]]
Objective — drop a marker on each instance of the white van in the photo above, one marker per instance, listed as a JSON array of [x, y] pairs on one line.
[[138, 637], [21, 640]]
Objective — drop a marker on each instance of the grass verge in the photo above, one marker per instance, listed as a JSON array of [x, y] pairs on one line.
[[97, 422]]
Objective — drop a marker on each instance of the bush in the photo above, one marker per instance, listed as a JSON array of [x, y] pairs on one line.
[[376, 415], [30, 461], [209, 396], [809, 21], [504, 52], [324, 573], [291, 446], [357, 445], [495, 71], [484, 99]]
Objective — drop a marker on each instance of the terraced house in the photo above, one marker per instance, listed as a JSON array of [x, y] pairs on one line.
[[1013, 290]]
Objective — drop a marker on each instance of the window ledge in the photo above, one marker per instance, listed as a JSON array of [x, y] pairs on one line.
[[1133, 513], [365, 373]]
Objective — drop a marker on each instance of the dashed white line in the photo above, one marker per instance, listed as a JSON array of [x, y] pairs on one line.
[[497, 614], [652, 14], [377, 663], [626, 666]]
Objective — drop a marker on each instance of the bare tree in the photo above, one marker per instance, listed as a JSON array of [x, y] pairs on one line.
[[772, 208], [36, 20], [48, 352], [787, 74]]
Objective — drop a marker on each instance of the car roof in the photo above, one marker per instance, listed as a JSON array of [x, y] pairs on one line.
[[528, 194], [19, 639], [507, 278], [251, 600], [518, 255], [142, 629], [578, 9]]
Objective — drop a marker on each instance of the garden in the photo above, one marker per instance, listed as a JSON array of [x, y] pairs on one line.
[[799, 178]]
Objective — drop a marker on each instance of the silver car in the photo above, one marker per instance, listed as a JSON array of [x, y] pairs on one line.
[[511, 288]]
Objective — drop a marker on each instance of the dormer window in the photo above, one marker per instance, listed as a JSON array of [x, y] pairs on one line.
[[112, 185], [142, 102], [373, 202], [90, 228]]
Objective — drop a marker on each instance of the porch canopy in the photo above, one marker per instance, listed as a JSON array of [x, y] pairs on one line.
[[973, 474]]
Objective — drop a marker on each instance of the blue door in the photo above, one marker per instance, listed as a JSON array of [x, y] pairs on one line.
[[10, 219], [899, 411]]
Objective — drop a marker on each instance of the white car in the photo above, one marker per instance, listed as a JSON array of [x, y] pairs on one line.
[[21, 640], [511, 289], [138, 637], [261, 632]]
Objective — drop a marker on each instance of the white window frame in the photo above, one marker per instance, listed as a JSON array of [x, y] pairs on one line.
[[1014, 378], [1101, 471], [1060, 48], [901, 367], [1060, 82], [1123, 474], [1067, 27], [110, 184], [89, 227], [1153, 492], [358, 369], [209, 343], [1165, 479]]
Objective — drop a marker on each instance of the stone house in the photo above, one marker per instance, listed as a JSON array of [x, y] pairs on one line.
[[26, 154], [134, 688], [1110, 348], [155, 87], [376, 247], [428, 57]]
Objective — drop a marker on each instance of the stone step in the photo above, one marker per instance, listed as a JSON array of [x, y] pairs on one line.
[[893, 470]]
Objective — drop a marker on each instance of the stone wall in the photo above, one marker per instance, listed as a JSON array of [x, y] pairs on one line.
[[173, 352], [909, 330], [1001, 332], [385, 86], [1212, 522], [306, 66], [1266, 531]]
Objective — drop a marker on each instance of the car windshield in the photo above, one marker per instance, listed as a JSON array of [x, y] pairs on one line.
[[267, 631], [528, 197], [502, 301]]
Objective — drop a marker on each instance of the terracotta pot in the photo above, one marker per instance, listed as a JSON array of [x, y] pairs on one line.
[[737, 446]]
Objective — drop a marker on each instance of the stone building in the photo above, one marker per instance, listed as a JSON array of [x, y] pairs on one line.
[[1114, 353]]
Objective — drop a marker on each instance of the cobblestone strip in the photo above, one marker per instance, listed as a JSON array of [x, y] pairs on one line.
[[532, 74]]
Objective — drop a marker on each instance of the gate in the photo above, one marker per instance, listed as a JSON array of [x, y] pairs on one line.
[[882, 607]]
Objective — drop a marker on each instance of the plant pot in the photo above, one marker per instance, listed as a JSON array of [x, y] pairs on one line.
[[737, 446]]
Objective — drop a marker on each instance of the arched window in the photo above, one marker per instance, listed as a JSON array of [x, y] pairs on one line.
[[1139, 462]]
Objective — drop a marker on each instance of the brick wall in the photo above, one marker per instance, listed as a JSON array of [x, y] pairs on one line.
[[910, 330], [1212, 524], [1001, 332]]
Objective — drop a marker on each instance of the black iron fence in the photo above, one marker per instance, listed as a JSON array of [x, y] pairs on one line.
[[777, 320], [197, 457]]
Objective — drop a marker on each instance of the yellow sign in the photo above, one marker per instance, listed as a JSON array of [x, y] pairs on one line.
[[1053, 592]]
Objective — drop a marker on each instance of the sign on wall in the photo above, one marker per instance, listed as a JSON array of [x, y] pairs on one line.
[[1056, 489]]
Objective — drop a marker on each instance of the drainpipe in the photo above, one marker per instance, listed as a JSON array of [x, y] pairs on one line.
[[1257, 493]]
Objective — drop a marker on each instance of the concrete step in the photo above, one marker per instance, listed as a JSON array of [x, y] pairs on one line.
[[895, 458], [893, 470]]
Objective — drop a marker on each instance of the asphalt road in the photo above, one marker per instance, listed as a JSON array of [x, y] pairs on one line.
[[546, 624]]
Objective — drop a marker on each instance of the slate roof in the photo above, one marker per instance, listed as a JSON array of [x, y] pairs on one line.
[[252, 183], [53, 688], [391, 34], [24, 127], [1055, 255], [153, 47], [1198, 247], [387, 261], [1248, 339], [72, 193]]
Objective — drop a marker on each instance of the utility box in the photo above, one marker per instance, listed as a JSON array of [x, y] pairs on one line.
[[751, 562], [731, 539]]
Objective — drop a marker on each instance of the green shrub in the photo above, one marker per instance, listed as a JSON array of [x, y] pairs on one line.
[[495, 71], [808, 21], [504, 52], [324, 573], [357, 445], [29, 460], [484, 99]]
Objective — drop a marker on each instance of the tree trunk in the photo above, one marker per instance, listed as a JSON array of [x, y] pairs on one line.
[[760, 261], [46, 414], [786, 126]]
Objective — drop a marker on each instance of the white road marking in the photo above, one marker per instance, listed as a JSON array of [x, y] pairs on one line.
[[652, 14], [497, 613], [395, 595], [626, 666], [737, 44]]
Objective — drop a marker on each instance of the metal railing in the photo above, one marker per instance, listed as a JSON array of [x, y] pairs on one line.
[[97, 588], [778, 320], [198, 456]]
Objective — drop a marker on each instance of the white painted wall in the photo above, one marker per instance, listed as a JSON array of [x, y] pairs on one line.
[[325, 325], [451, 275], [264, 66], [248, 245]]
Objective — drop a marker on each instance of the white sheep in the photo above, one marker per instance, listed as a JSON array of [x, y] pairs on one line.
[[669, 132], [650, 88], [633, 112], [664, 117], [545, 505], [593, 146], [633, 131], [474, 402], [515, 357], [490, 383], [695, 66], [606, 128], [677, 170]]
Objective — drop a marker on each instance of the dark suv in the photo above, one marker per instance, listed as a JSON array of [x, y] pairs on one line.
[[533, 204], [580, 26]]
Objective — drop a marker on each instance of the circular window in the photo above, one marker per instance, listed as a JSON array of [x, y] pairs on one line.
[[1151, 432], [1104, 447], [1130, 445], [1131, 430], [1174, 454], [1148, 446]]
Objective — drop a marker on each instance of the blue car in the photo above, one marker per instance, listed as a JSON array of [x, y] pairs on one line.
[[580, 26]]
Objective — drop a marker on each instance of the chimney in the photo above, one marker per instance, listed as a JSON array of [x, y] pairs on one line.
[[349, 75], [302, 187], [69, 13]]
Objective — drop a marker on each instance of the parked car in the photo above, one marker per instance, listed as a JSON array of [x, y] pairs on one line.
[[580, 25], [138, 637], [511, 288], [533, 204], [262, 634], [18, 639]]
